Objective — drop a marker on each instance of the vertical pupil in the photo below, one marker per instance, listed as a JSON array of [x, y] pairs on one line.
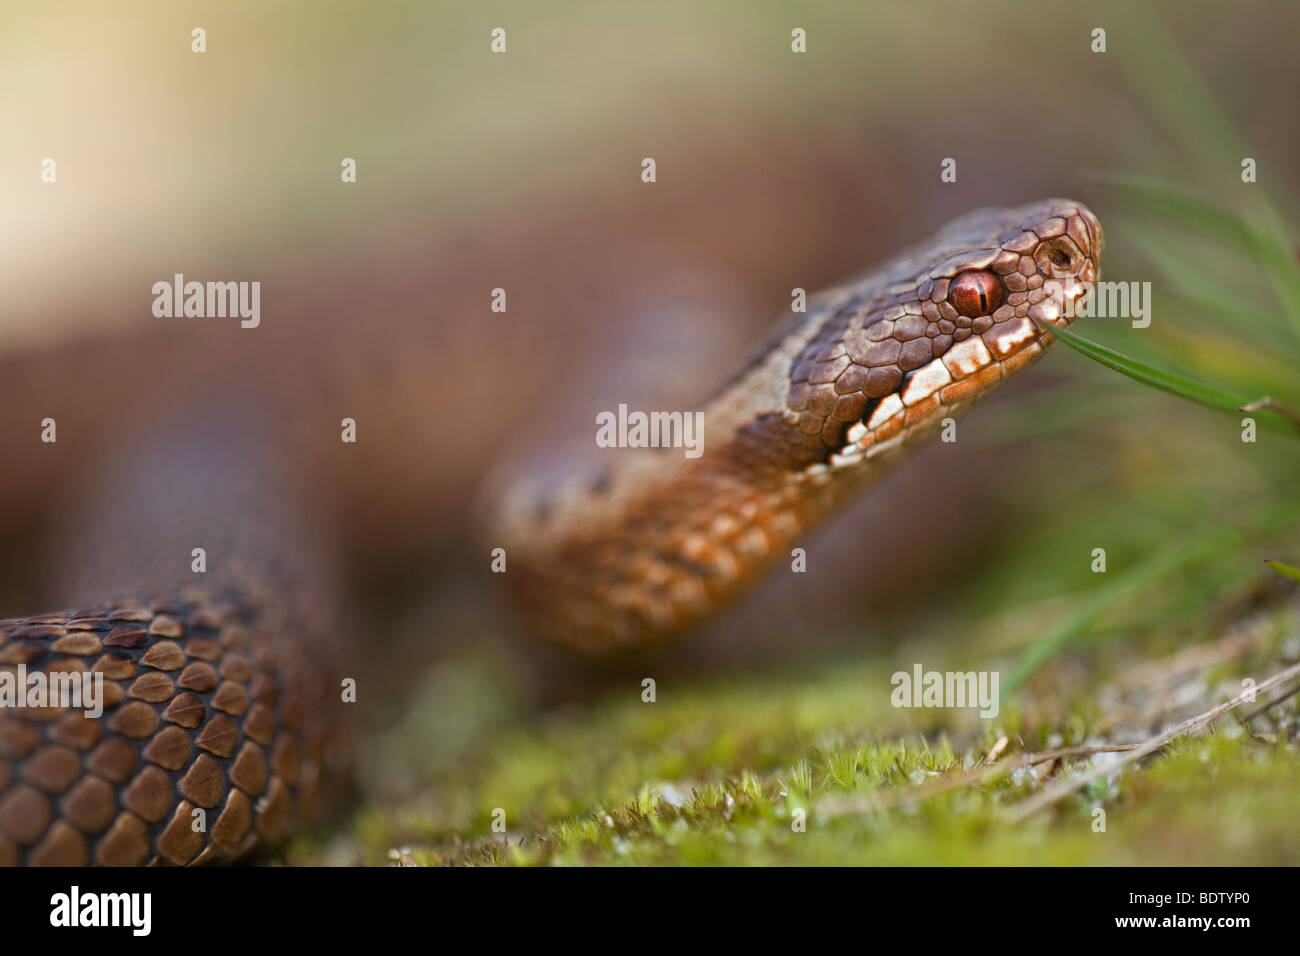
[[976, 293]]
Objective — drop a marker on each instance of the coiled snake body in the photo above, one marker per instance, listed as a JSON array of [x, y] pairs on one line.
[[224, 720]]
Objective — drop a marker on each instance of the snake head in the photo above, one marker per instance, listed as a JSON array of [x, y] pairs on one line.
[[940, 325], [1010, 272], [664, 542]]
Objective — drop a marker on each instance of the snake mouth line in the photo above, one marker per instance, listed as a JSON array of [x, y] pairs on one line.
[[222, 700], [877, 365]]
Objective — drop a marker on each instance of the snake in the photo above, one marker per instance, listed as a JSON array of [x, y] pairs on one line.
[[226, 716]]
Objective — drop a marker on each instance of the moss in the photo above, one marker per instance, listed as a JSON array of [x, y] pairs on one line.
[[721, 772]]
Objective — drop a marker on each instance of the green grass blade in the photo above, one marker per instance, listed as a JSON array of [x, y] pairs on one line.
[[1267, 245], [1286, 570], [1177, 205], [1148, 374], [1174, 384], [1182, 554], [1207, 297], [1119, 585]]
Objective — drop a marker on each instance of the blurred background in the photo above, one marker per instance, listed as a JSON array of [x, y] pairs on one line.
[[775, 170]]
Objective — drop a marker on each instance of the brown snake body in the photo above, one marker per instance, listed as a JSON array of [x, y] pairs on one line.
[[659, 541], [223, 716]]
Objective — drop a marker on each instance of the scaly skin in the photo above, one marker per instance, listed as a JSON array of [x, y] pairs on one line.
[[659, 542], [224, 696]]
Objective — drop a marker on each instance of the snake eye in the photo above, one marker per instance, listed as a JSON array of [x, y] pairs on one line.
[[974, 294]]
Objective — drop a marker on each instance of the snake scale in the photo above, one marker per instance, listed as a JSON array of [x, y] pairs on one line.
[[224, 720]]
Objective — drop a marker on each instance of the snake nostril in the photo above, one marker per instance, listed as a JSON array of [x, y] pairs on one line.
[[1058, 257]]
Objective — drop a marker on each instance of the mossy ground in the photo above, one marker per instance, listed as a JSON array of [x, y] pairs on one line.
[[1130, 597], [1182, 502], [717, 771]]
